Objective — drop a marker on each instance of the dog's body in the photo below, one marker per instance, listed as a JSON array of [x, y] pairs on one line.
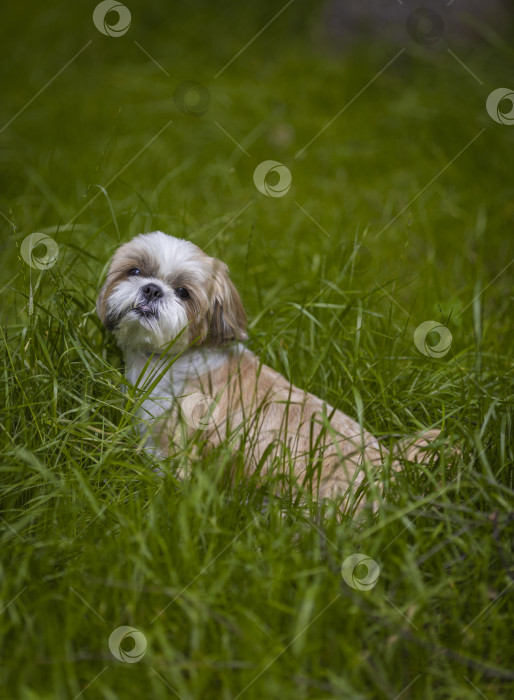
[[228, 395], [162, 290]]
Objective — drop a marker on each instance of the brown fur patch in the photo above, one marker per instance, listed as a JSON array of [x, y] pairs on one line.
[[227, 321], [123, 260]]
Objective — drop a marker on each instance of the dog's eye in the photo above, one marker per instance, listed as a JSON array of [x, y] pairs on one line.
[[182, 292], [134, 271]]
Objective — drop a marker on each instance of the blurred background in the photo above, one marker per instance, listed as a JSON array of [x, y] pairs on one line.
[[161, 124]]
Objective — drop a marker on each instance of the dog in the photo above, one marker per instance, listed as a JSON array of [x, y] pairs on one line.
[[181, 324]]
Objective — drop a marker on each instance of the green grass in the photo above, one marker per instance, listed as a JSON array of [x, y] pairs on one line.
[[240, 594]]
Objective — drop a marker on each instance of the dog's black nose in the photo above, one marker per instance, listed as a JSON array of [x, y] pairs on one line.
[[152, 291]]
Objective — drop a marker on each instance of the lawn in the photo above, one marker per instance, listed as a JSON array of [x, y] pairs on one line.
[[400, 211]]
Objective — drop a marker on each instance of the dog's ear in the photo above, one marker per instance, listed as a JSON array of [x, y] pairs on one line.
[[115, 273], [112, 279], [100, 302], [228, 317]]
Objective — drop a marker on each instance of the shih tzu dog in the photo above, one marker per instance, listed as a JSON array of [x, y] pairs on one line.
[[181, 323]]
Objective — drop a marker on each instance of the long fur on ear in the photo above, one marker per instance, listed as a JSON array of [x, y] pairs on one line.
[[100, 307], [101, 302], [228, 318]]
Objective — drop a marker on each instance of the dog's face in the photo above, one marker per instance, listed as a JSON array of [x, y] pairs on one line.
[[159, 287]]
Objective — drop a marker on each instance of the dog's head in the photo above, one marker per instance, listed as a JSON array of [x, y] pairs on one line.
[[159, 287]]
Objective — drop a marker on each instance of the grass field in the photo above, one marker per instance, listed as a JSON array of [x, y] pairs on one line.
[[400, 211]]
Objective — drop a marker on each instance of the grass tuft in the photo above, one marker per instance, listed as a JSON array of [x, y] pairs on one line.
[[239, 593]]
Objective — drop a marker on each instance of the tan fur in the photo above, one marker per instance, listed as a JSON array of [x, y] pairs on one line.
[[279, 425], [227, 317], [216, 313], [322, 448]]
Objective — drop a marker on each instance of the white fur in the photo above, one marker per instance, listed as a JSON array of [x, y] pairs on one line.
[[172, 256], [182, 370], [146, 333], [205, 357]]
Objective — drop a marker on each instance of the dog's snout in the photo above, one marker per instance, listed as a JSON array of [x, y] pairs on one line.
[[152, 291]]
